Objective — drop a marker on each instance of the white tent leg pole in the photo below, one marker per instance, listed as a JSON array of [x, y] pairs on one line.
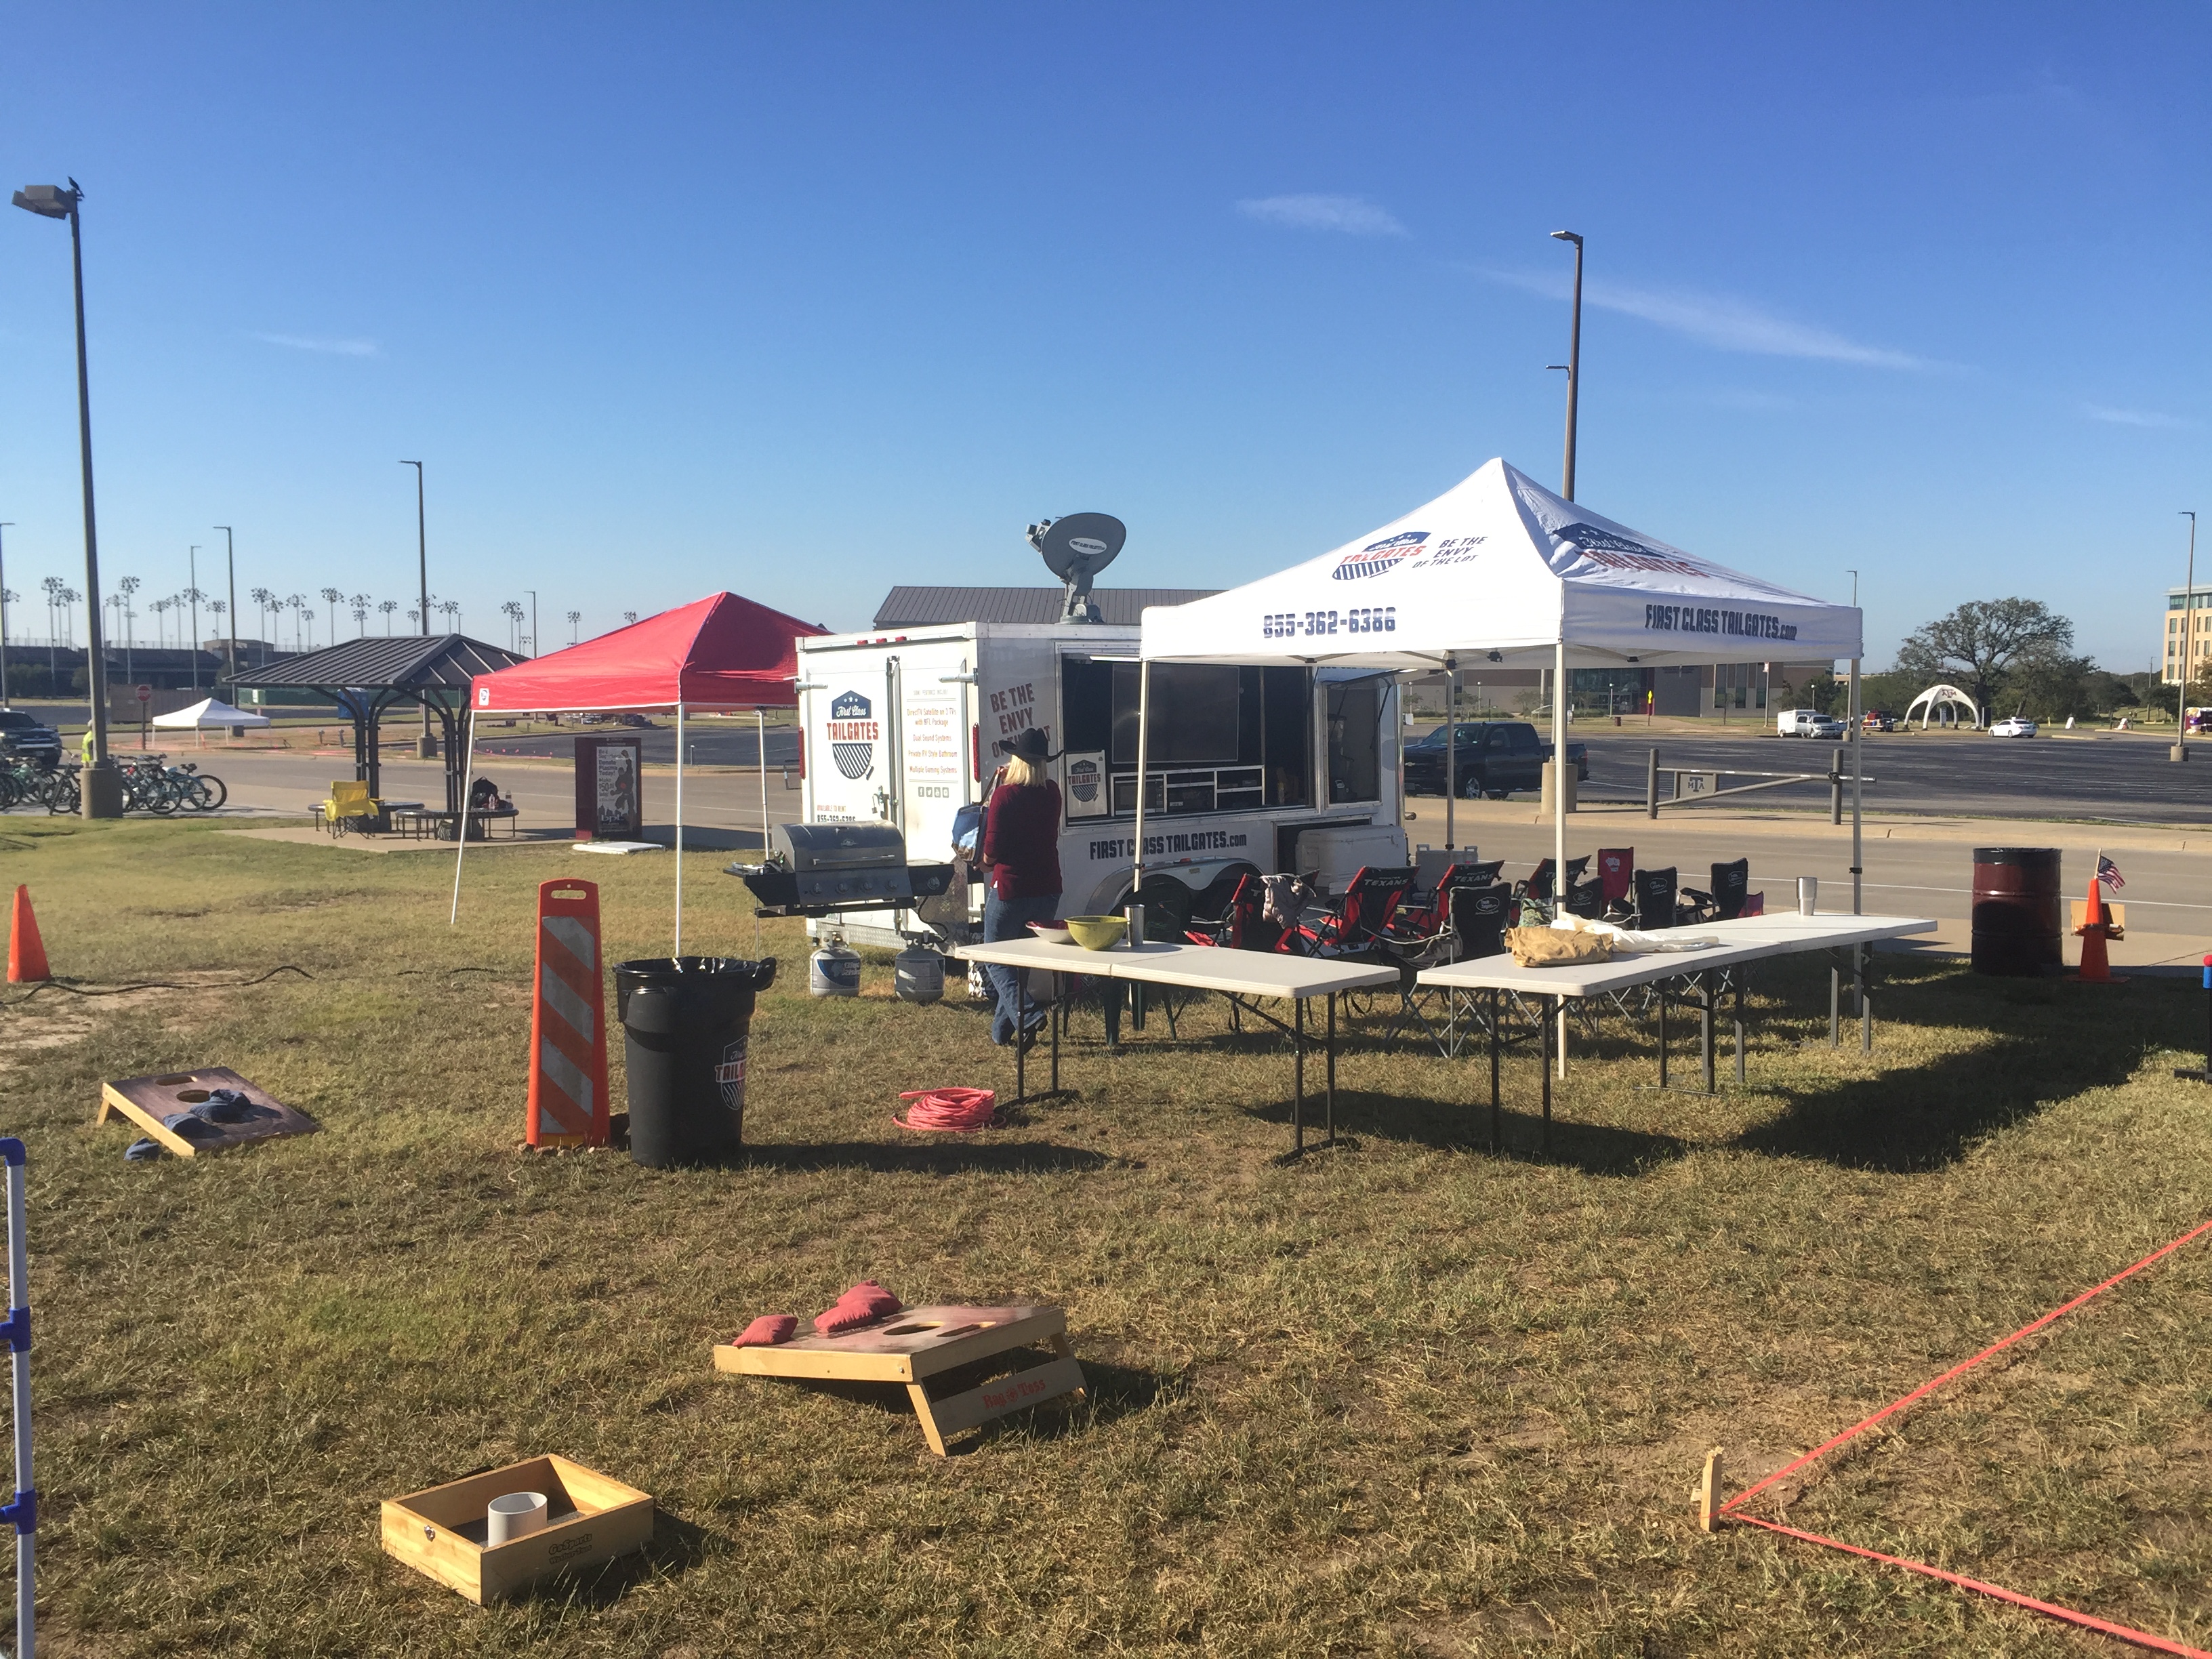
[[679, 828], [1559, 804], [1858, 778], [1451, 744], [760, 744], [461, 847], [1144, 732]]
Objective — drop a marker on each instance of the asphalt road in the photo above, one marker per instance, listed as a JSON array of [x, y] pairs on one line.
[[2111, 778]]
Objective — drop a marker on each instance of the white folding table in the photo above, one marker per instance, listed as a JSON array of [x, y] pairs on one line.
[[1747, 939], [1240, 976]]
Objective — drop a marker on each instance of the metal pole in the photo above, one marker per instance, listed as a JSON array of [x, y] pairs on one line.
[[8, 524], [679, 827], [1858, 793], [760, 742], [1652, 784], [2180, 749], [1143, 732], [24, 1511], [103, 785], [1451, 742], [1574, 363], [230, 642], [192, 600], [1559, 774], [468, 765], [426, 746]]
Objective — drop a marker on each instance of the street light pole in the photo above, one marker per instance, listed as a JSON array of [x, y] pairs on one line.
[[2180, 749], [1574, 363], [426, 746], [230, 640], [103, 784], [9, 524], [193, 601], [533, 619]]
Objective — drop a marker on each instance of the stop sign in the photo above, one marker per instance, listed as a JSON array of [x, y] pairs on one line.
[[145, 694]]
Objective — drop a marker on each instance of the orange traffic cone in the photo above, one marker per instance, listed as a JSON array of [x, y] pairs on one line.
[[27, 952], [2096, 967]]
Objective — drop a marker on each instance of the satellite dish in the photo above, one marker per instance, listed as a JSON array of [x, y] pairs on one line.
[[1075, 549]]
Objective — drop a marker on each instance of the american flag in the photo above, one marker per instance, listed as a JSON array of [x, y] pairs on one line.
[[2109, 874]]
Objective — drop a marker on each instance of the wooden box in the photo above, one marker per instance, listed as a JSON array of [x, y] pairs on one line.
[[590, 1519], [145, 1101]]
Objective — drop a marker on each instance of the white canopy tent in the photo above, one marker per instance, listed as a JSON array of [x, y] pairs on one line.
[[208, 711], [1500, 571]]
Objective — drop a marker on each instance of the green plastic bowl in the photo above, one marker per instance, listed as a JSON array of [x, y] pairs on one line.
[[1098, 933]]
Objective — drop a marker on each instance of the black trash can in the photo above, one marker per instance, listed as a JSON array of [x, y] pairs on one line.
[[2020, 914], [685, 1024]]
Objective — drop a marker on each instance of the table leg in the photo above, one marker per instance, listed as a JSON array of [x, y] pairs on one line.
[[1835, 1003], [1058, 1013], [1743, 972], [1665, 997], [1553, 1011], [1021, 1049], [1332, 1069], [1298, 1074], [1866, 1004], [1706, 1029], [1497, 1110]]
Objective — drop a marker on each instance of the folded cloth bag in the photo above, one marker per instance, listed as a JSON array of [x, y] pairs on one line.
[[1556, 947], [767, 1331], [863, 1304]]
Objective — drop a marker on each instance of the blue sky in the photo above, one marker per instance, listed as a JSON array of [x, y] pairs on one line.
[[806, 301]]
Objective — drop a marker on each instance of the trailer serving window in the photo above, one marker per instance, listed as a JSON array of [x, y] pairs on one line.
[[1223, 739], [1355, 740]]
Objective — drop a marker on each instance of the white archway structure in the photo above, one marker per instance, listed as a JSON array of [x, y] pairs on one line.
[[1940, 697]]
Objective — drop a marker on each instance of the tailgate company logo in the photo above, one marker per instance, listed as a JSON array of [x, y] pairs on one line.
[[1377, 557], [730, 1075], [1615, 552], [853, 735], [1083, 780]]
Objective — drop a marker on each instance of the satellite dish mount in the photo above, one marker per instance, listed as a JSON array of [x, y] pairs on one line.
[[1075, 549]]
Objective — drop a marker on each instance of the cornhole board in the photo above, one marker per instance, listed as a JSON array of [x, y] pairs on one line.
[[913, 1347], [147, 1100], [589, 1519]]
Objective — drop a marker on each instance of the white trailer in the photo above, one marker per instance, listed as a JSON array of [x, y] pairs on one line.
[[1252, 769]]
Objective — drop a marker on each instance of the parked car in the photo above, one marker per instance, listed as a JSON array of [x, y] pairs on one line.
[[1491, 757], [1879, 719], [27, 735], [1807, 723], [2013, 725]]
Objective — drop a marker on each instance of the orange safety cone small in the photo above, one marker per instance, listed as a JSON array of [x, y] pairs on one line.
[[2096, 965], [27, 952]]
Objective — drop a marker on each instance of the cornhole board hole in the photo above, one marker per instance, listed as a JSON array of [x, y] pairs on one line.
[[589, 1519], [147, 1100], [913, 1347]]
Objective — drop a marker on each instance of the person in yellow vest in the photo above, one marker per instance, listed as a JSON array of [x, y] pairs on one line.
[[87, 745]]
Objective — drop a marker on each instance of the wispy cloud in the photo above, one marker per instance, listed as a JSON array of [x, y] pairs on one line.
[[336, 348], [1351, 215], [1719, 320], [2135, 417]]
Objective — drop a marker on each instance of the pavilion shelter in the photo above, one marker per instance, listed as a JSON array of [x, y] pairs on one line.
[[1500, 571], [370, 677], [720, 653]]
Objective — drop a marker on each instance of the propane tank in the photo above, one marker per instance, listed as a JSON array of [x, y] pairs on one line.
[[918, 975], [834, 971]]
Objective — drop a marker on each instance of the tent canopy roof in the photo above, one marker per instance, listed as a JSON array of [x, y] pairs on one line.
[[1499, 569], [386, 662], [208, 711], [723, 651]]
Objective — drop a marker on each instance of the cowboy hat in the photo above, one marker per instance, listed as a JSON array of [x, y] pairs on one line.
[[1029, 744]]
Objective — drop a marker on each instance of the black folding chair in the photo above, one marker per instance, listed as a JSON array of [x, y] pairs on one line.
[[1731, 887], [1655, 894]]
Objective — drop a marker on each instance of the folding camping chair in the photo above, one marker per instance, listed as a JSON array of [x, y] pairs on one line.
[[1616, 873], [1360, 919], [350, 805], [1536, 891], [1655, 897]]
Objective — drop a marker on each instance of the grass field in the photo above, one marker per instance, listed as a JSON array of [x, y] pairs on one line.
[[1407, 1398]]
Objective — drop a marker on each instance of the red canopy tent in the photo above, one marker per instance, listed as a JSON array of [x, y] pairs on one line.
[[721, 651]]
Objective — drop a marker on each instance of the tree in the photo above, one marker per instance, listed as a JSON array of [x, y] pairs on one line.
[[1981, 640]]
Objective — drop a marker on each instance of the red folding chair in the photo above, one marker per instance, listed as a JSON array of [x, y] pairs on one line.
[[1616, 869], [1361, 920], [1243, 925]]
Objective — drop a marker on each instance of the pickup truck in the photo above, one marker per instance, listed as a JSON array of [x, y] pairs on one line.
[[31, 738], [1492, 758]]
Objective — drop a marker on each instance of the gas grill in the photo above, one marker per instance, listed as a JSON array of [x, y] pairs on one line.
[[819, 869]]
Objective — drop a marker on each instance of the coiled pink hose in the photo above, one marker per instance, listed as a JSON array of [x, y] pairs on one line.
[[961, 1111]]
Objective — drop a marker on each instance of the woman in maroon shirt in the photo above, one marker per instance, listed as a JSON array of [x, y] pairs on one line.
[[1021, 846]]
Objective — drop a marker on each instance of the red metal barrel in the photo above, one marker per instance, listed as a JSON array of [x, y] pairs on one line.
[[2019, 916]]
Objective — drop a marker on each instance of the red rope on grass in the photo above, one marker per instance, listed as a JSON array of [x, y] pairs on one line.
[[1926, 1388], [961, 1111], [2104, 1628]]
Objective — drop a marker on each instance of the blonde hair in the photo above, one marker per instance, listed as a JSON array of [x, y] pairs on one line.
[[1024, 775]]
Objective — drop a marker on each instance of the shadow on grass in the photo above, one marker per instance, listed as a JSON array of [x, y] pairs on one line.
[[1114, 1392], [932, 1158], [1595, 1148], [677, 1546]]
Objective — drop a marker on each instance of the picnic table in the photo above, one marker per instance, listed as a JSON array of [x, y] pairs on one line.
[[1242, 976], [1740, 942], [419, 822]]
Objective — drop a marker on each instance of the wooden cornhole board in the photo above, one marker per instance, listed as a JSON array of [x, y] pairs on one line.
[[913, 1347], [147, 1100], [590, 1518]]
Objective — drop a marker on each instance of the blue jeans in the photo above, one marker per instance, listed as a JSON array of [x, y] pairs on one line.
[[1010, 919]]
